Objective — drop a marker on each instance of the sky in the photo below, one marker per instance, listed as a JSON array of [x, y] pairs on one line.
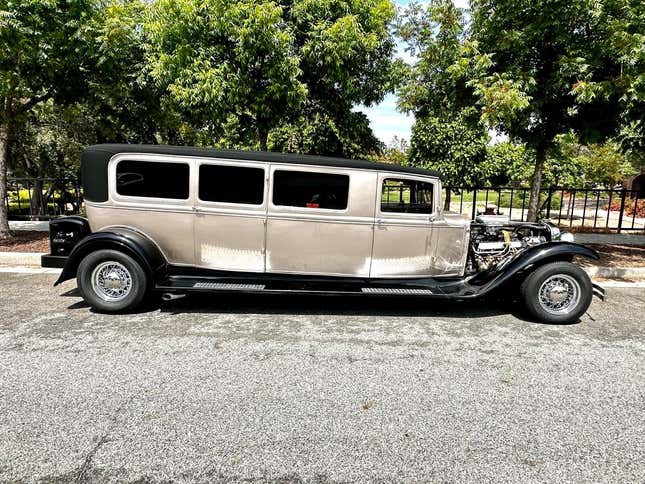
[[385, 120]]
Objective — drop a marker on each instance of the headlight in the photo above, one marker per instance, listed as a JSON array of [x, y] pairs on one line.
[[566, 237], [554, 230]]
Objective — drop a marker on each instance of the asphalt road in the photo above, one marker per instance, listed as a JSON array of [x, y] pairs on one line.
[[324, 390]]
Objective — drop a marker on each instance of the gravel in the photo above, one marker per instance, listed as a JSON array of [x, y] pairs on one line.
[[324, 390]]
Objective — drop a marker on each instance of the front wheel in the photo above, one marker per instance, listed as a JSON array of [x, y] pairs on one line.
[[559, 292], [111, 281]]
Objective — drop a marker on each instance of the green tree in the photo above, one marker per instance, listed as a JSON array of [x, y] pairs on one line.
[[541, 69], [243, 68], [48, 143], [451, 147], [598, 164], [322, 134], [448, 135], [43, 56]]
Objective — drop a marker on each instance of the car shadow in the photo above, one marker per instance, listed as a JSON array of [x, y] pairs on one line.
[[306, 304]]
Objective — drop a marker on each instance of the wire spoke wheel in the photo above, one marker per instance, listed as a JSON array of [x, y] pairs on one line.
[[559, 294], [111, 281]]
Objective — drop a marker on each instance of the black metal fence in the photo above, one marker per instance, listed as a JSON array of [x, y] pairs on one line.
[[593, 210], [42, 198], [586, 210]]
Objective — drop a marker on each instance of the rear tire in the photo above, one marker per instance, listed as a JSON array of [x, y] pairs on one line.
[[111, 281], [559, 292]]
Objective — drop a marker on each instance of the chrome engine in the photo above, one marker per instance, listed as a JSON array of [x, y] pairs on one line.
[[495, 240]]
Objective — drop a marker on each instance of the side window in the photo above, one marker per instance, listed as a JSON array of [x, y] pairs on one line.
[[152, 179], [406, 196], [231, 184], [311, 190]]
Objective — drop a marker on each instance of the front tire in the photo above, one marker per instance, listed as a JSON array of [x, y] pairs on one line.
[[559, 292], [111, 281]]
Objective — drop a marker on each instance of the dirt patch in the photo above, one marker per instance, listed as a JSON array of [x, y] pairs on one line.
[[615, 256], [26, 241]]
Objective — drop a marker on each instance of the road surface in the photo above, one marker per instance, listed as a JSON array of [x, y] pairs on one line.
[[323, 390]]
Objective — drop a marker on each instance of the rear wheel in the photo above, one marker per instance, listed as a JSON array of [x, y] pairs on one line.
[[559, 292], [111, 281]]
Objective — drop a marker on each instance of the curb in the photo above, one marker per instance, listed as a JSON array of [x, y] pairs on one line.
[[33, 225], [28, 259], [616, 272]]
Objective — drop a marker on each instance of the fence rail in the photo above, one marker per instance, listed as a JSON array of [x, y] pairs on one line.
[[579, 209], [42, 198], [593, 210]]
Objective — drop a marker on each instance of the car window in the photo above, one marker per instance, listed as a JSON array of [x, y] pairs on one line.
[[231, 184], [311, 190], [152, 179], [406, 196]]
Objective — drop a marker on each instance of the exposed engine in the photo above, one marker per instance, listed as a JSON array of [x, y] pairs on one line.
[[495, 240]]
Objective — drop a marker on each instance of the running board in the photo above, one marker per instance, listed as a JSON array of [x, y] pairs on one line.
[[397, 291], [184, 284], [222, 286]]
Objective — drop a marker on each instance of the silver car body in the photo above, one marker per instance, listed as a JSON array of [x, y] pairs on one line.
[[359, 241]]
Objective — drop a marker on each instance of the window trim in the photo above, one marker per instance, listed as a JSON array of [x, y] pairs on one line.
[[315, 170], [237, 164], [132, 200], [405, 215]]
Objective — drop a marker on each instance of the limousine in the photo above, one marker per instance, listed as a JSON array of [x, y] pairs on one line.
[[173, 220]]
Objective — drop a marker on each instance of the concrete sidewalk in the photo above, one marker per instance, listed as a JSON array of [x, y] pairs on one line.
[[610, 239]]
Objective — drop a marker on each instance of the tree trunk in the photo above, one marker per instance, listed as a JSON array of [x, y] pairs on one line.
[[263, 136], [5, 132], [446, 202], [37, 205], [536, 181]]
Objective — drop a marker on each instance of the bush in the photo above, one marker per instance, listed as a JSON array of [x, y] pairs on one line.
[[631, 208]]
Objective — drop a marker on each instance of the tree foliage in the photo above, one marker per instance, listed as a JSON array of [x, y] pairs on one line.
[[349, 136], [535, 71], [449, 135], [259, 66], [451, 147], [544, 69], [45, 54]]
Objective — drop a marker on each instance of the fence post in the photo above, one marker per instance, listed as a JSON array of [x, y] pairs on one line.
[[623, 192], [474, 203]]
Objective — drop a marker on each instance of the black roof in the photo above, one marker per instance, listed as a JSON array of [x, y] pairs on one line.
[[266, 156], [95, 158]]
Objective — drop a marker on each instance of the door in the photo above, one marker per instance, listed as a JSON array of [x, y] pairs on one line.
[[151, 194], [320, 220], [404, 245], [230, 215]]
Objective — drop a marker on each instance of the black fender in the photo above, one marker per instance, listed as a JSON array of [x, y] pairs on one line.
[[126, 240], [525, 262]]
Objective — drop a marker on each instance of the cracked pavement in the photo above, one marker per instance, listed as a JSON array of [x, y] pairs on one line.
[[304, 389]]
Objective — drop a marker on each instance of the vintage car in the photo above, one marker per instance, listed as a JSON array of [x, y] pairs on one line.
[[172, 220]]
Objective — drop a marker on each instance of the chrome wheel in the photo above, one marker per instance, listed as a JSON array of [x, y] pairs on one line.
[[111, 281], [559, 294]]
